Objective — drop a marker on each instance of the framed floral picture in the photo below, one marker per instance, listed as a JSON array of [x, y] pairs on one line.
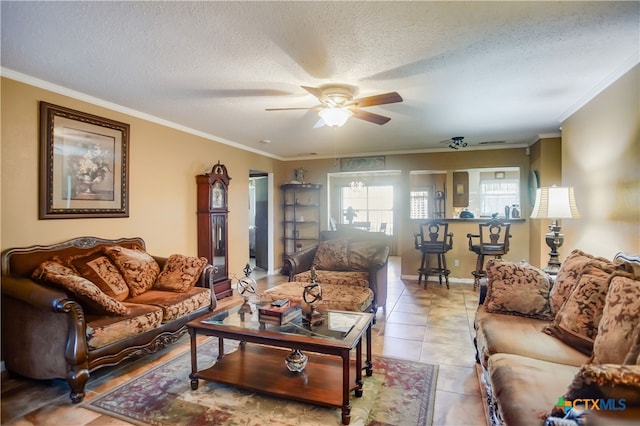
[[83, 165]]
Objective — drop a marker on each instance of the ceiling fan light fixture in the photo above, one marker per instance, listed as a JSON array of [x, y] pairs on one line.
[[457, 142], [335, 117]]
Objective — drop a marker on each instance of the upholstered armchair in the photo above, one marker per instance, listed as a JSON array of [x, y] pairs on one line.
[[349, 257]]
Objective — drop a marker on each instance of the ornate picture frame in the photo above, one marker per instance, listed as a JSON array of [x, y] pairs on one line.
[[84, 169], [362, 163]]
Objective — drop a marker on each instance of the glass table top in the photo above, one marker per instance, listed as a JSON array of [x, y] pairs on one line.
[[335, 325]]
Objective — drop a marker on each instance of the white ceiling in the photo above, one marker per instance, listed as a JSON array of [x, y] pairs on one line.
[[489, 71]]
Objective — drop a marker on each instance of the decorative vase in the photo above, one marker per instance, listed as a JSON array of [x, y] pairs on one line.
[[296, 361], [85, 185], [515, 213]]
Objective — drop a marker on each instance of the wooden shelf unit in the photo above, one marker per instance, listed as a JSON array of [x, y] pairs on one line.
[[301, 215]]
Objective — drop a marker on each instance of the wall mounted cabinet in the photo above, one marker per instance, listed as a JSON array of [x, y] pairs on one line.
[[460, 189]]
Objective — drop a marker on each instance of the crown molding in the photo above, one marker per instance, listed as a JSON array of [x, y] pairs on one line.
[[45, 85], [625, 67]]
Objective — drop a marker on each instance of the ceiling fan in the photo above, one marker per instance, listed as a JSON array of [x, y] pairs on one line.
[[456, 142], [337, 105]]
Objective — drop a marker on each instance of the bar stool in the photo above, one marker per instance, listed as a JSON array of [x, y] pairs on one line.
[[488, 243], [433, 238]]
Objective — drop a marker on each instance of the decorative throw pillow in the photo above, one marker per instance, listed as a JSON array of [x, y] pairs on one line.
[[517, 289], [633, 356], [331, 255], [89, 295], [138, 268], [180, 273], [54, 265], [576, 323], [361, 254], [620, 319], [100, 270], [608, 381], [569, 275]]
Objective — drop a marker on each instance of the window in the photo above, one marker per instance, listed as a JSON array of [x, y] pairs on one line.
[[426, 194], [372, 205], [419, 207], [496, 194]]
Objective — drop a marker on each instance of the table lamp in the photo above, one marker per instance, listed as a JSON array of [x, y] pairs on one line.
[[555, 202]]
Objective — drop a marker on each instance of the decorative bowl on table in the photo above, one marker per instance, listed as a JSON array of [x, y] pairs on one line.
[[296, 361]]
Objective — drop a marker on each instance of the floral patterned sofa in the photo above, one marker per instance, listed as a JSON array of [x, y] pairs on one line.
[[73, 307], [351, 266], [548, 350]]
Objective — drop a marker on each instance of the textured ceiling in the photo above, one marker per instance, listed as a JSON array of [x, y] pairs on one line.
[[489, 71]]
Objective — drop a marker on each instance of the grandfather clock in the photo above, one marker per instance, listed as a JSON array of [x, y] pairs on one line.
[[213, 212]]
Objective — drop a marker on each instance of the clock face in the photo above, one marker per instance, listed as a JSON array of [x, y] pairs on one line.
[[217, 196]]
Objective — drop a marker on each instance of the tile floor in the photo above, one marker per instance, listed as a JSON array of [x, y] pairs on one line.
[[432, 325]]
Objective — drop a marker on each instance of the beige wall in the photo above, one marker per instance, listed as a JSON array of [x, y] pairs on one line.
[[600, 156], [601, 159], [405, 227], [546, 160], [162, 188]]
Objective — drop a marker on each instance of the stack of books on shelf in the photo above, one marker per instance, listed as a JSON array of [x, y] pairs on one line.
[[280, 315]]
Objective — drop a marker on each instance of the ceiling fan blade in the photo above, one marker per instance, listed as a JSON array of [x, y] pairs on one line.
[[369, 116], [236, 93], [315, 92], [385, 98], [285, 109]]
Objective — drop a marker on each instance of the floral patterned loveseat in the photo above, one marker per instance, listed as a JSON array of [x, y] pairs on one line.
[[73, 307]]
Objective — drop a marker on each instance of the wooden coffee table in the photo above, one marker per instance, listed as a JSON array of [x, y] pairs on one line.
[[258, 365]]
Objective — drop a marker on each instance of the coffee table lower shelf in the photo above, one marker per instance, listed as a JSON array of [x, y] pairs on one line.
[[262, 369]]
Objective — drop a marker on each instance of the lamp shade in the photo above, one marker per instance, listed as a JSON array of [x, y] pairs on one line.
[[555, 202], [335, 117]]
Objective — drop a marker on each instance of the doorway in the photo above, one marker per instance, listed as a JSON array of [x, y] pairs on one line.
[[260, 218]]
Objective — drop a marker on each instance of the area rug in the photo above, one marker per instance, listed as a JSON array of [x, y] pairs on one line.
[[398, 393]]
